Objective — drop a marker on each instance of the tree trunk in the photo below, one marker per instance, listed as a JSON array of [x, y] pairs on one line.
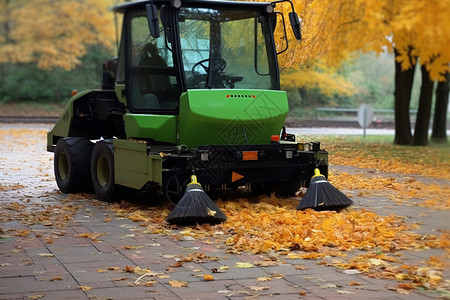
[[439, 134], [403, 85], [423, 114]]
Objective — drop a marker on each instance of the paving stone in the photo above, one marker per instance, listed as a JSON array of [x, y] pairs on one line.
[[55, 268], [275, 286], [17, 271], [67, 242], [285, 270], [89, 272], [77, 294], [11, 296], [302, 281], [136, 292], [29, 284], [202, 289]]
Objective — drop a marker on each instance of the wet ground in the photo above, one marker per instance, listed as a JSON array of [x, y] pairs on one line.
[[58, 246]]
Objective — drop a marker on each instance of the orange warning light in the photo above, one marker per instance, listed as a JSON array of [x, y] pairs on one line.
[[250, 155]]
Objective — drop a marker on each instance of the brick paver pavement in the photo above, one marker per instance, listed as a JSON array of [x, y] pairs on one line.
[[43, 256]]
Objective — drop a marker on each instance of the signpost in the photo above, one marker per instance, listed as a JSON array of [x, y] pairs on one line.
[[365, 117]]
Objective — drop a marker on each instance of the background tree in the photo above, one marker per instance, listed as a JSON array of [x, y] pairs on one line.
[[403, 89], [414, 30], [439, 133], [425, 34], [48, 48], [55, 34]]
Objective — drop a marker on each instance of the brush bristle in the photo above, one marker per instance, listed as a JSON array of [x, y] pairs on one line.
[[196, 207], [322, 195]]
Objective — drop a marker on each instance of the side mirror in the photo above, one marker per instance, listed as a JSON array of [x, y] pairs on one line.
[[295, 25], [153, 21]]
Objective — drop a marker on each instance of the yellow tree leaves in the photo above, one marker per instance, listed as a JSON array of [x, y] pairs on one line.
[[423, 26], [55, 34], [334, 30], [317, 77]]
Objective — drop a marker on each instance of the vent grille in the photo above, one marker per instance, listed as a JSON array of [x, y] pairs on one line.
[[241, 96]]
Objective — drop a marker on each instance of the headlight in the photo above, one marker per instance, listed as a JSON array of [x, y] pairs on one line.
[[304, 147]]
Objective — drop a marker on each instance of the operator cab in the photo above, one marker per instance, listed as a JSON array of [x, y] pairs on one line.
[[169, 48]]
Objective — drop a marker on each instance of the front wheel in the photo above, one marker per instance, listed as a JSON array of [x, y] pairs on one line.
[[102, 171], [72, 160]]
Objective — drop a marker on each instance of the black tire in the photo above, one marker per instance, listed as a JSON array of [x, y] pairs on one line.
[[102, 171], [72, 160]]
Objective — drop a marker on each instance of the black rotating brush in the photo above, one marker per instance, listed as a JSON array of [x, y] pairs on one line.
[[321, 195], [195, 207]]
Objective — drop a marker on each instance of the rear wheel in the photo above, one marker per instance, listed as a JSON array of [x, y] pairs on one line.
[[102, 171], [72, 160]]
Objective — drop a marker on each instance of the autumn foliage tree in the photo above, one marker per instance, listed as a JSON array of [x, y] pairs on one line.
[[53, 33], [424, 37], [416, 31]]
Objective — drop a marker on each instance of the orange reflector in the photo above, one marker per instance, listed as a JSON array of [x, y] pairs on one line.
[[250, 155], [275, 138], [236, 176], [74, 92]]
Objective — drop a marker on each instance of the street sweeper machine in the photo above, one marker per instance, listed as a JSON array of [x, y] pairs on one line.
[[195, 90]]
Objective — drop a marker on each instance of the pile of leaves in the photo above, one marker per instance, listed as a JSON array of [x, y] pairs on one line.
[[275, 224], [271, 225]]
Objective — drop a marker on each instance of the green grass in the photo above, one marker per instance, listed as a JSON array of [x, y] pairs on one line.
[[435, 155]]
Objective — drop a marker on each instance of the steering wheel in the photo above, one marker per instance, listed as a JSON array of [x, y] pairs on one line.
[[217, 69]]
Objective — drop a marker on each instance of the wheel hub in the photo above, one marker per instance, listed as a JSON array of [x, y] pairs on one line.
[[103, 171], [63, 165]]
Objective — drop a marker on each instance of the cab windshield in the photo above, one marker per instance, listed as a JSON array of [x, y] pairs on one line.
[[223, 48]]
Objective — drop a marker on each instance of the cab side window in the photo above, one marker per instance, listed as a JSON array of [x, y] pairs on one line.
[[152, 84]]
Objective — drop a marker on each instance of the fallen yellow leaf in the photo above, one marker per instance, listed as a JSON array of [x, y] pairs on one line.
[[178, 283], [46, 255], [56, 278], [22, 233], [264, 279], [243, 265], [207, 277], [258, 288]]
